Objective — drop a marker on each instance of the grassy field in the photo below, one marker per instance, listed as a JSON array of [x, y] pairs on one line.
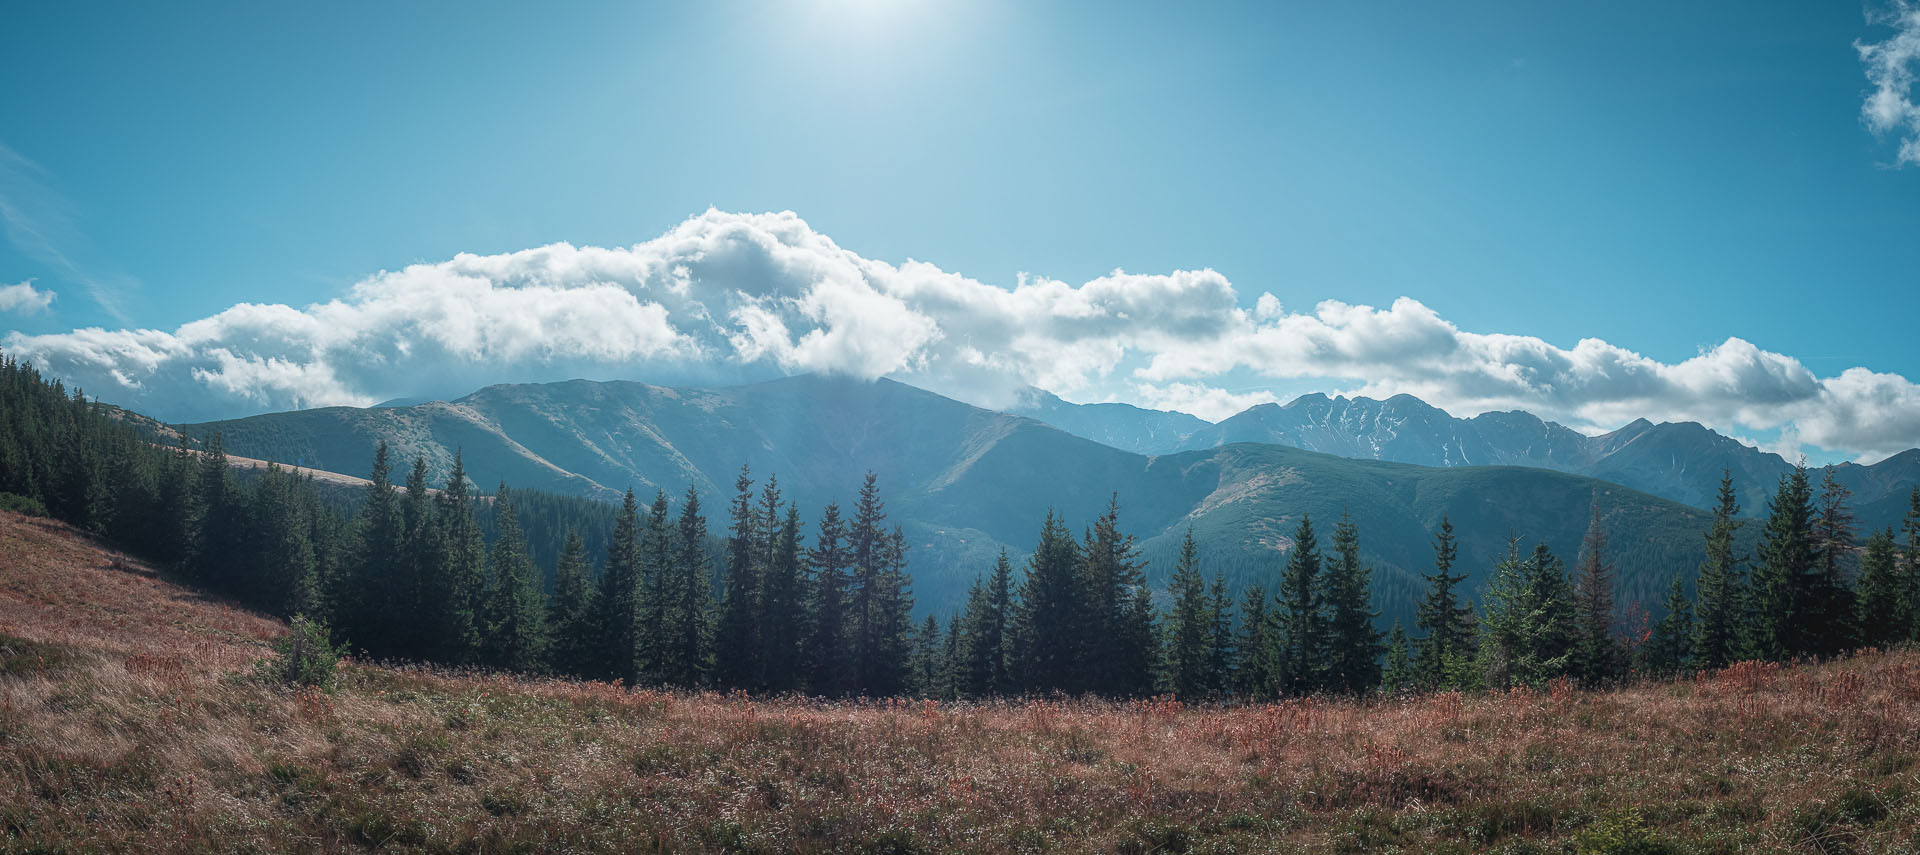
[[131, 719]]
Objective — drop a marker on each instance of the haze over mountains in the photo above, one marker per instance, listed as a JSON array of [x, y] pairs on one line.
[[965, 482], [1682, 461]]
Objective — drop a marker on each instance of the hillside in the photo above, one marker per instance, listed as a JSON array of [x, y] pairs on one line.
[[965, 482], [131, 718], [1682, 461]]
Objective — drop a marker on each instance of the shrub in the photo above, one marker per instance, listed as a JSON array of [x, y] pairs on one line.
[[22, 504], [1621, 834], [307, 656]]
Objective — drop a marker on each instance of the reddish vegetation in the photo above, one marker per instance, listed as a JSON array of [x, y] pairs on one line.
[[130, 717]]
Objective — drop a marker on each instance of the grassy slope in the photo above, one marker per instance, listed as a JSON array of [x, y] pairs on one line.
[[129, 719]]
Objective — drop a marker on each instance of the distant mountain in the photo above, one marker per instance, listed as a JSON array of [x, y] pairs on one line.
[[1682, 461], [966, 482], [1122, 426]]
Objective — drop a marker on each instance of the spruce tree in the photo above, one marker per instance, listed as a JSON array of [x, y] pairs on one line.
[[1353, 645], [1447, 623], [1047, 643], [1117, 632], [371, 620], [685, 646], [655, 583], [1721, 614], [783, 611], [1220, 652], [1189, 626], [867, 545], [829, 656], [458, 580], [737, 636], [1831, 610], [1300, 643], [1883, 598], [1399, 675], [982, 669], [892, 619], [1780, 625], [1597, 656], [516, 613], [416, 565], [1911, 562], [1669, 647], [923, 665], [569, 613], [616, 605], [1253, 670]]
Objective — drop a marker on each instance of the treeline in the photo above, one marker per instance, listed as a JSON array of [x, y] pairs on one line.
[[771, 604]]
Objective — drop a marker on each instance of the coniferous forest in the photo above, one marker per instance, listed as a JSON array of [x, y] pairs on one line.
[[741, 592]]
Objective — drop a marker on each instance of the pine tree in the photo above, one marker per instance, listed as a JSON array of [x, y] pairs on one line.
[[1669, 648], [1399, 675], [982, 669], [1883, 601], [458, 581], [1831, 610], [616, 606], [1781, 579], [1911, 602], [685, 645], [1189, 627], [1353, 645], [1597, 656], [1448, 624], [569, 613], [783, 609], [656, 580], [829, 657], [1300, 645], [1721, 616], [516, 613], [1117, 631], [866, 542], [1047, 643], [1253, 670], [736, 641], [923, 665], [372, 621], [892, 624], [1220, 652], [420, 552]]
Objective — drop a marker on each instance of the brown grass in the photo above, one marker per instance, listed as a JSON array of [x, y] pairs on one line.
[[130, 719]]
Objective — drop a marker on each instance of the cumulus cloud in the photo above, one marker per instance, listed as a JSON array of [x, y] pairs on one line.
[[24, 298], [1891, 65], [731, 297]]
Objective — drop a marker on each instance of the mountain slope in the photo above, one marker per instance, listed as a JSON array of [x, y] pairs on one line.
[[1682, 461], [965, 482]]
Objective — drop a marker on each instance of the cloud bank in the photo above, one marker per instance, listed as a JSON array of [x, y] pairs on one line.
[[1891, 66], [733, 297], [24, 298]]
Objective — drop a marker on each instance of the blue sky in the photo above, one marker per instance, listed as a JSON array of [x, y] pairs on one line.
[[1657, 177]]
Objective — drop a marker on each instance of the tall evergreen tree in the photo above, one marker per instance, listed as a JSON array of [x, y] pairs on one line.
[[1831, 611], [458, 579], [653, 602], [1047, 646], [1353, 645], [1220, 652], [1253, 670], [1883, 600], [416, 564], [570, 611], [516, 613], [1669, 647], [866, 542], [1911, 560], [1720, 626], [891, 608], [984, 634], [1780, 623], [685, 646], [1399, 674], [1189, 626], [829, 655], [1117, 632], [617, 604], [1447, 622], [783, 609], [923, 665], [1597, 656], [372, 621], [1300, 644], [737, 637]]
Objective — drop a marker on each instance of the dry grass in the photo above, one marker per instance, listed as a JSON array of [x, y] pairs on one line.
[[130, 719]]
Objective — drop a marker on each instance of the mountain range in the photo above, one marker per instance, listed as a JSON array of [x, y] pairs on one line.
[[965, 482], [1682, 461]]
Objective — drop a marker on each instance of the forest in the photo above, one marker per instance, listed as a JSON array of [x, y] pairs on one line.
[[759, 601]]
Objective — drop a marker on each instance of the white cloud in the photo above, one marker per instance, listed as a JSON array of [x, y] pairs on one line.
[[1891, 66], [24, 298], [729, 298]]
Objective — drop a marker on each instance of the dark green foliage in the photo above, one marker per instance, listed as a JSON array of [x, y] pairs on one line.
[[1531, 631], [924, 663], [783, 612], [982, 667], [516, 609], [1116, 617], [1188, 669], [829, 660], [1353, 645], [1830, 609], [617, 605], [1399, 675], [1910, 563], [1781, 624], [685, 642], [1447, 622], [1883, 594], [656, 572], [1253, 666], [737, 646], [1669, 646], [1047, 645], [307, 656], [1300, 623], [570, 611], [1597, 655], [1720, 628], [457, 586]]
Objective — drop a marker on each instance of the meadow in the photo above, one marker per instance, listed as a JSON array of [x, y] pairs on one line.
[[134, 716]]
